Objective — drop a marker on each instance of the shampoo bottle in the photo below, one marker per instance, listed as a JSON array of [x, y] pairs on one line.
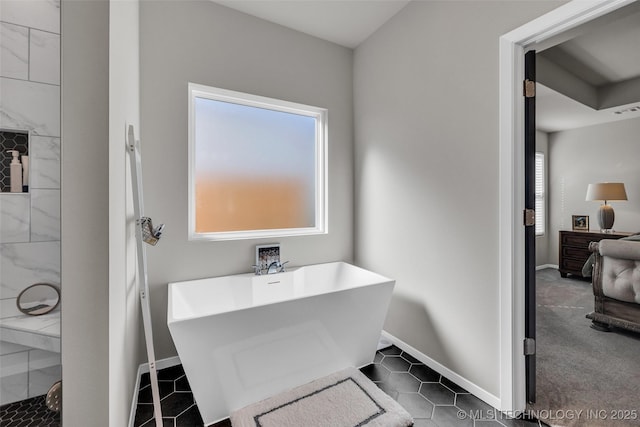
[[25, 173], [16, 173]]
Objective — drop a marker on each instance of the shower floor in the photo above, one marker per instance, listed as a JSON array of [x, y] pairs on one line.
[[430, 398], [29, 412]]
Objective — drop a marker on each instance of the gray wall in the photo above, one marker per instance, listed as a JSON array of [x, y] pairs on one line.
[[124, 302], [85, 212], [600, 153], [426, 109], [542, 242], [202, 42], [100, 325]]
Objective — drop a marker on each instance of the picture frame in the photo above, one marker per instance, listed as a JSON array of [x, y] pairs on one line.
[[580, 222], [267, 254]]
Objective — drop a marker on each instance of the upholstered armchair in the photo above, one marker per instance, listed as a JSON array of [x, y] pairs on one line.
[[616, 284]]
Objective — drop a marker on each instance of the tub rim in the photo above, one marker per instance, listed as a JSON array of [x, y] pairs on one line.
[[171, 319]]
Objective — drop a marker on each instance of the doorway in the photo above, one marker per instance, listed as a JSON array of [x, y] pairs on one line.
[[548, 29]]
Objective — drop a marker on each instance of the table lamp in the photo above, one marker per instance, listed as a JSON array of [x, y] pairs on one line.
[[604, 191]]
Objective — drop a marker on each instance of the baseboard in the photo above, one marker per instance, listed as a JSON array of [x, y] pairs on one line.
[[143, 369], [161, 364], [474, 389], [134, 399], [543, 266]]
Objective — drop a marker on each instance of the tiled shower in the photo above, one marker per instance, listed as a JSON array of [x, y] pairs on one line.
[[30, 220]]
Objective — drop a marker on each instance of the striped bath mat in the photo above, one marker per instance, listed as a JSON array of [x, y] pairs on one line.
[[344, 399]]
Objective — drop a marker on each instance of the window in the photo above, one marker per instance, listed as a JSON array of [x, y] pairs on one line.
[[256, 166], [540, 195]]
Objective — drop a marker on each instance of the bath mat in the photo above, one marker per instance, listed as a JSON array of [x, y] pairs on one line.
[[344, 399]]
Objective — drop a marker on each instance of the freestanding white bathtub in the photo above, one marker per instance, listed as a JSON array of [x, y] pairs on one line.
[[244, 338]]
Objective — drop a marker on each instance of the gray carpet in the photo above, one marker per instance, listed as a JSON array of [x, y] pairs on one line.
[[584, 377]]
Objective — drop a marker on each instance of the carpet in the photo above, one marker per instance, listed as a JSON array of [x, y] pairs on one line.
[[344, 399], [584, 377]]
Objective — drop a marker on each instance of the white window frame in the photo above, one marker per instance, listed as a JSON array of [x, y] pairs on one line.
[[541, 195], [321, 131]]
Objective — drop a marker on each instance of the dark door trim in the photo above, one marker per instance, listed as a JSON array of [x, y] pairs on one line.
[[530, 230]]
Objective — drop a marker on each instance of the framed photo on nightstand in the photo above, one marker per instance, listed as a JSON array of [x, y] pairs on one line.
[[580, 222]]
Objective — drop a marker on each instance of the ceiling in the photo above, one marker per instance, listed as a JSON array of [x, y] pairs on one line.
[[588, 75], [344, 22], [556, 112], [609, 53], [593, 76]]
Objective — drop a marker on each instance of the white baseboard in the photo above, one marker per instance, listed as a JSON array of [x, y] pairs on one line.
[[143, 369], [160, 364], [477, 391], [543, 266]]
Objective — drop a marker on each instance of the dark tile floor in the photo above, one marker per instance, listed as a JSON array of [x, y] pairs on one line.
[[176, 400], [432, 400], [29, 413]]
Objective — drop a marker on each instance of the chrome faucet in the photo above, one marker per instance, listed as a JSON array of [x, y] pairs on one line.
[[273, 268]]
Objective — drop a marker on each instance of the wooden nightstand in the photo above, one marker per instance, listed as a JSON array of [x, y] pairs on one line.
[[574, 249]]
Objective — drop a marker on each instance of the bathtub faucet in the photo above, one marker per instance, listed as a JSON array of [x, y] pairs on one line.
[[274, 267]]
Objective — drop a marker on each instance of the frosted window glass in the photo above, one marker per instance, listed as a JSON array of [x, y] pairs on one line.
[[256, 167]]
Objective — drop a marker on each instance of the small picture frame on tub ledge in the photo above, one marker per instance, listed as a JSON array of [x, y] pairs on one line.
[[267, 254], [580, 222]]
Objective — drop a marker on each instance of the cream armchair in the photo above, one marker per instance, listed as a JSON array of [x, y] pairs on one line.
[[616, 284]]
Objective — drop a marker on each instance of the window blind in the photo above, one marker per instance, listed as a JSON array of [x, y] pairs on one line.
[[540, 195]]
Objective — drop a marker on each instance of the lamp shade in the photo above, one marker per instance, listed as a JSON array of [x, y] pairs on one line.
[[606, 191]]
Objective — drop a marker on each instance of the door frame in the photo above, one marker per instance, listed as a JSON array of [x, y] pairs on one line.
[[512, 47]]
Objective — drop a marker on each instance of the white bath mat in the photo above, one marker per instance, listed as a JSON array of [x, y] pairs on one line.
[[344, 399]]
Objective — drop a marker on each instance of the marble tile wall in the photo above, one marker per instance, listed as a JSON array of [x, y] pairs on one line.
[[26, 372], [30, 87], [30, 222]]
